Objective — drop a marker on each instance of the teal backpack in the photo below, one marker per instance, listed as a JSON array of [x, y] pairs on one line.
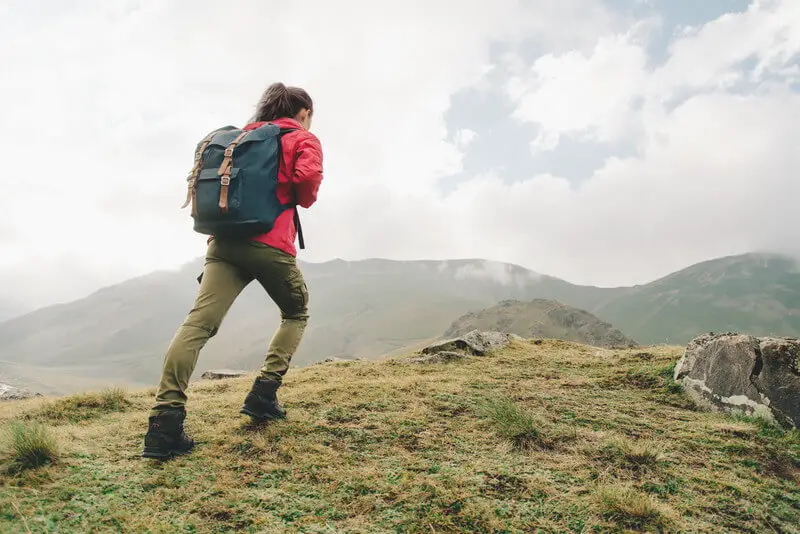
[[233, 185]]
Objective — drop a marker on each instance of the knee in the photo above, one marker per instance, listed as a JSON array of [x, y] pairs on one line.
[[296, 316], [209, 330]]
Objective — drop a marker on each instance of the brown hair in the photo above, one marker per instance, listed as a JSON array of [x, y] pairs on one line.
[[280, 101]]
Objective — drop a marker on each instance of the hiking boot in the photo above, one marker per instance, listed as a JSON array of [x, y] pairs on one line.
[[165, 437], [261, 403]]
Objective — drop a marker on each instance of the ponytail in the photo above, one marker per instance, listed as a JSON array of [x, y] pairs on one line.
[[279, 101]]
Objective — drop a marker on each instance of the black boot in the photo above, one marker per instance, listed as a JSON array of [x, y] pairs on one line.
[[261, 403], [165, 437]]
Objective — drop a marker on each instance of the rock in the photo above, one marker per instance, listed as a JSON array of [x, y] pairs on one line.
[[473, 343], [745, 374], [11, 393], [222, 374], [438, 357], [334, 359]]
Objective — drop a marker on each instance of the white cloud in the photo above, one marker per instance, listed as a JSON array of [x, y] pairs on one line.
[[500, 273], [715, 172], [464, 137], [104, 104], [589, 96]]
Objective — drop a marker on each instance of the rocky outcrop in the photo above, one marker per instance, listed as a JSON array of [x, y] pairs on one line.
[[542, 318], [222, 374], [473, 343], [745, 374], [11, 393]]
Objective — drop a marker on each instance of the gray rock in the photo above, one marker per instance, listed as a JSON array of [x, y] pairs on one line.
[[8, 393], [335, 359], [438, 357], [222, 374], [473, 343], [744, 374]]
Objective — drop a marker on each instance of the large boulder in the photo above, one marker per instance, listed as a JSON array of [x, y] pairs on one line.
[[744, 374], [474, 343]]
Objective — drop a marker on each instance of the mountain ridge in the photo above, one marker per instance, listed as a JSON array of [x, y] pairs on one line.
[[373, 307]]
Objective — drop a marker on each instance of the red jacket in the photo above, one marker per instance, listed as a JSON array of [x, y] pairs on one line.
[[299, 177]]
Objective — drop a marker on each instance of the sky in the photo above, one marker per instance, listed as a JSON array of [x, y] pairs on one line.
[[604, 142]]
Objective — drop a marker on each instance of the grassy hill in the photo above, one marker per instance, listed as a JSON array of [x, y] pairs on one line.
[[542, 318], [754, 293], [358, 310], [370, 308], [546, 436]]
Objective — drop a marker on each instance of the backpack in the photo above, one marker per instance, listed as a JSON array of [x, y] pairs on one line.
[[232, 186]]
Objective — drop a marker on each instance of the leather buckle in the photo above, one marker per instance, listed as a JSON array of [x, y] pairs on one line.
[[225, 180], [229, 152]]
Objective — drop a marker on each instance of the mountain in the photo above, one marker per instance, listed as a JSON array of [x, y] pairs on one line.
[[754, 293], [371, 308], [542, 318], [358, 310]]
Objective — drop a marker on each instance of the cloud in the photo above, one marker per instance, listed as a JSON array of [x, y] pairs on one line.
[[500, 273], [464, 137], [592, 96], [104, 103]]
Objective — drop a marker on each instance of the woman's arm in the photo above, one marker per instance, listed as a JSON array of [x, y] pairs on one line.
[[307, 170]]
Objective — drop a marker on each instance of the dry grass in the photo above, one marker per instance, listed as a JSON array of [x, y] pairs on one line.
[[388, 447], [81, 406], [628, 507], [28, 446]]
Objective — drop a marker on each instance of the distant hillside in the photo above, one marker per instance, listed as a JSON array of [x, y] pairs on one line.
[[366, 309], [359, 309], [754, 293], [544, 319]]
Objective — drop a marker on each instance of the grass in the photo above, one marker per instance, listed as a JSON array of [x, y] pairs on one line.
[[82, 406], [631, 508], [547, 437], [28, 446], [513, 422]]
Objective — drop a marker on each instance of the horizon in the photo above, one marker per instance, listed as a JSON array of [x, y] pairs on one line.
[[783, 255], [639, 139]]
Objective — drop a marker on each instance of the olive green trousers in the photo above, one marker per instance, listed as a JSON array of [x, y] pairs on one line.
[[229, 267]]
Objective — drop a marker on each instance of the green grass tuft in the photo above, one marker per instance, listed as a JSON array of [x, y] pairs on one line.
[[83, 406], [629, 507], [514, 423], [633, 455], [29, 445]]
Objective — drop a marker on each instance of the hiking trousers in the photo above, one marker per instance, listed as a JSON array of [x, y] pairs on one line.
[[230, 265]]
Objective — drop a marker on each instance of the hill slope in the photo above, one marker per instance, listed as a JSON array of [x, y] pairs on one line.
[[358, 310], [542, 318], [554, 437], [370, 308], [754, 293]]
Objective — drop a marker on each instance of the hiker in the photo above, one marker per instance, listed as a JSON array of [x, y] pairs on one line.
[[231, 263]]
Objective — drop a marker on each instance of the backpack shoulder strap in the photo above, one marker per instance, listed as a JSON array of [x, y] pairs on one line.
[[301, 241]]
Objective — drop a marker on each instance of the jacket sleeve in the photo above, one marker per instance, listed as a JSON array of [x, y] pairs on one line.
[[307, 170]]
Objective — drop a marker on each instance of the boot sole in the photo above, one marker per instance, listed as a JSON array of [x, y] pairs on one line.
[[161, 455], [259, 417]]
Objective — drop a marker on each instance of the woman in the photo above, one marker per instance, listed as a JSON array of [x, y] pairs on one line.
[[231, 265]]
